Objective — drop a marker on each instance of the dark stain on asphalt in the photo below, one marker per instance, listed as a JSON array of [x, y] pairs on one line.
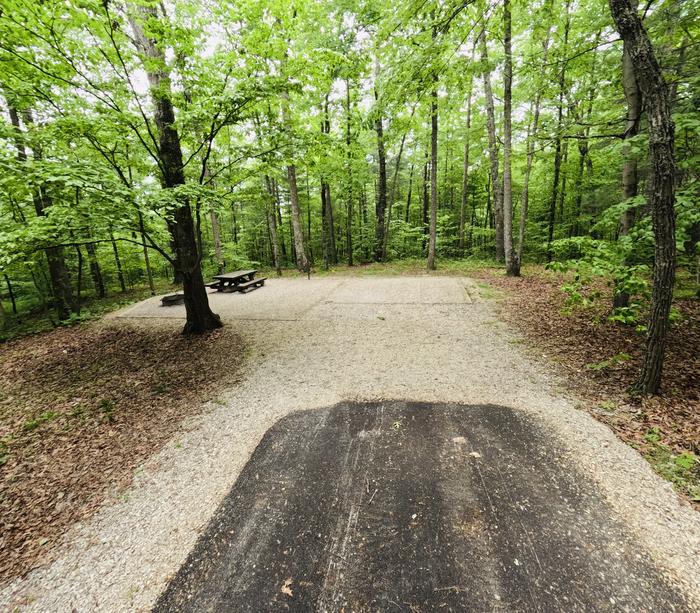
[[396, 506]]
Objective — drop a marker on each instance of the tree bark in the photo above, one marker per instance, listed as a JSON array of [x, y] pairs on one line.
[[662, 184], [630, 177], [95, 272], [200, 318], [381, 200], [426, 202], [146, 258], [11, 293], [465, 171], [298, 246], [272, 224], [512, 264], [493, 152], [432, 238], [408, 195], [348, 225]]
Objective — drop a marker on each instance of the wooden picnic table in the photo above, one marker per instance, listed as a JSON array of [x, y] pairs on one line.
[[237, 281]]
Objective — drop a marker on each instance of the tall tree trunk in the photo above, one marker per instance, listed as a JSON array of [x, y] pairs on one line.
[[408, 195], [380, 207], [348, 225], [299, 251], [630, 179], [95, 271], [426, 202], [272, 224], [3, 316], [332, 250], [280, 225], [561, 216], [200, 317], [11, 294], [325, 230], [512, 264], [146, 259], [558, 140], [493, 151], [432, 238], [298, 246], [662, 184], [77, 305], [465, 171], [118, 262]]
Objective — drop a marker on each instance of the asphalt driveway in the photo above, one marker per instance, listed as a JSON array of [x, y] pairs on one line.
[[415, 507]]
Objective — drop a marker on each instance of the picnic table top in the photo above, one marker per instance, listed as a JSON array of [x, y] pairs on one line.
[[232, 276]]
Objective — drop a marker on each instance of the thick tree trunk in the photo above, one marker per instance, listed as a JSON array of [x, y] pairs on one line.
[[200, 318], [662, 184], [432, 238], [493, 152], [512, 264]]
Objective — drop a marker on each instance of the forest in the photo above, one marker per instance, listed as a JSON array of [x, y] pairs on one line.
[[147, 143]]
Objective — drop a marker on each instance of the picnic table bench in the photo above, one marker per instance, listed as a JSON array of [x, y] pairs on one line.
[[237, 281]]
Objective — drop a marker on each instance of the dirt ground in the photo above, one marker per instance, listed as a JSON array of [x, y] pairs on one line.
[[313, 344]]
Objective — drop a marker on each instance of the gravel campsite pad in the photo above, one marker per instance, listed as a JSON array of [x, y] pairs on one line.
[[314, 344]]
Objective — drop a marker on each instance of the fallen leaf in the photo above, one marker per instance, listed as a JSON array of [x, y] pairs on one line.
[[286, 588]]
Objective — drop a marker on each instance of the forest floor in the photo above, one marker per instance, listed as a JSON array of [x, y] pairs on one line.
[[81, 408], [308, 344], [600, 360]]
